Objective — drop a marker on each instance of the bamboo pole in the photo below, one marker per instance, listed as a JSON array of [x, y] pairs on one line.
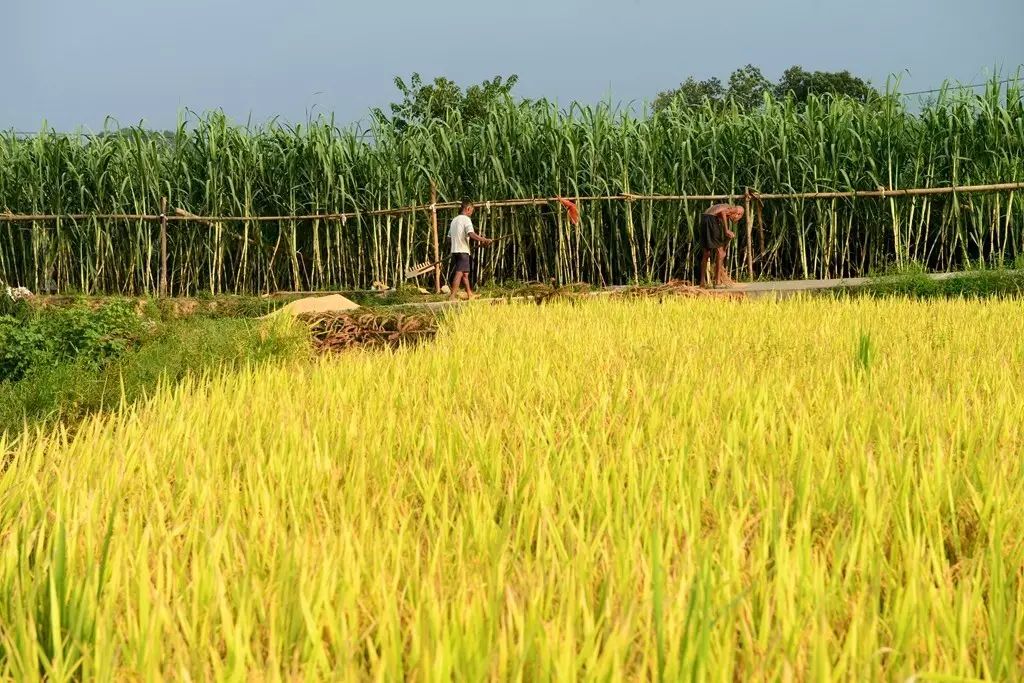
[[31, 217], [750, 233], [885, 193], [163, 246], [437, 242], [760, 229]]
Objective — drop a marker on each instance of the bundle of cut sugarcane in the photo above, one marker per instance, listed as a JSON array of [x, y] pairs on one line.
[[338, 331]]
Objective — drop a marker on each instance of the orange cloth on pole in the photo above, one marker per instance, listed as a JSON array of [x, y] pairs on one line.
[[574, 213]]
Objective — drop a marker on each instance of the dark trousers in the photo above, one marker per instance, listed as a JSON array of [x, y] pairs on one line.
[[474, 271]]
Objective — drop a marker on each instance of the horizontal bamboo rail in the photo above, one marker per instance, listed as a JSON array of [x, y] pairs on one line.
[[181, 215], [26, 217], [882, 192]]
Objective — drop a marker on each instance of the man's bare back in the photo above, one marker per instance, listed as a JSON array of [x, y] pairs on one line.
[[719, 209]]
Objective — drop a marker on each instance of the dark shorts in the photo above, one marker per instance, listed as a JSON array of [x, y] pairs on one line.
[[711, 233], [460, 263]]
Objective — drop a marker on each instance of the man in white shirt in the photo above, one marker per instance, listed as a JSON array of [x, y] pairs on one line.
[[460, 234]]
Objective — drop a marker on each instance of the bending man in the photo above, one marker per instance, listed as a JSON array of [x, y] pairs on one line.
[[460, 234], [714, 235]]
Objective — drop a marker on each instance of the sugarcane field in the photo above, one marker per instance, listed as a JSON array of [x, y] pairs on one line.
[[311, 372]]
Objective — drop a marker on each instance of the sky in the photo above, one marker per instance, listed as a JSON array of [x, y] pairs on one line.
[[73, 63]]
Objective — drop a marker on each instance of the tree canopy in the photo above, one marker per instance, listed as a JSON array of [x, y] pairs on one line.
[[800, 83], [423, 102], [748, 86]]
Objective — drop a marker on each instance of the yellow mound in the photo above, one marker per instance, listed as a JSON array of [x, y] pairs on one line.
[[320, 304]]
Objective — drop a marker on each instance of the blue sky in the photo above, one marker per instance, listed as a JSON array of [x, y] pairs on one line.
[[72, 63]]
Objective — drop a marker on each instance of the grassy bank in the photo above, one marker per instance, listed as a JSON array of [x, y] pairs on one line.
[[914, 282], [61, 364]]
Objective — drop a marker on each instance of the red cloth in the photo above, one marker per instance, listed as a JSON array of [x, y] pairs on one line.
[[574, 213]]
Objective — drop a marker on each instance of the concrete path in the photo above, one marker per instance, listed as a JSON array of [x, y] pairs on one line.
[[797, 285]]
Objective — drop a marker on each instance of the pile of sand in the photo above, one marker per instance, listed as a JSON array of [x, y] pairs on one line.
[[319, 304]]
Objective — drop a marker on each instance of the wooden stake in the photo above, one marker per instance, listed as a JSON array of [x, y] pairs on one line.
[[750, 233], [163, 246], [437, 243]]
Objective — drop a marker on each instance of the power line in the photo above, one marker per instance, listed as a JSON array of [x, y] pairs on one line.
[[962, 87]]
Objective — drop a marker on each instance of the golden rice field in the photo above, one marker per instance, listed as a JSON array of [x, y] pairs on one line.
[[694, 490]]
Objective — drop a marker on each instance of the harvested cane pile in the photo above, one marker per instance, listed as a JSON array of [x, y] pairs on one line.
[[340, 331], [674, 288], [544, 293]]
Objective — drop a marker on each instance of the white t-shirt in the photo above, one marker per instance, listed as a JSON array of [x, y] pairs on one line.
[[459, 234]]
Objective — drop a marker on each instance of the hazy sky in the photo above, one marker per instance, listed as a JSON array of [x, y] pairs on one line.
[[73, 62]]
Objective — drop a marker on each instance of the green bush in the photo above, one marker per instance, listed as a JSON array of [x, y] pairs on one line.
[[21, 348], [91, 337], [172, 351], [77, 335]]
